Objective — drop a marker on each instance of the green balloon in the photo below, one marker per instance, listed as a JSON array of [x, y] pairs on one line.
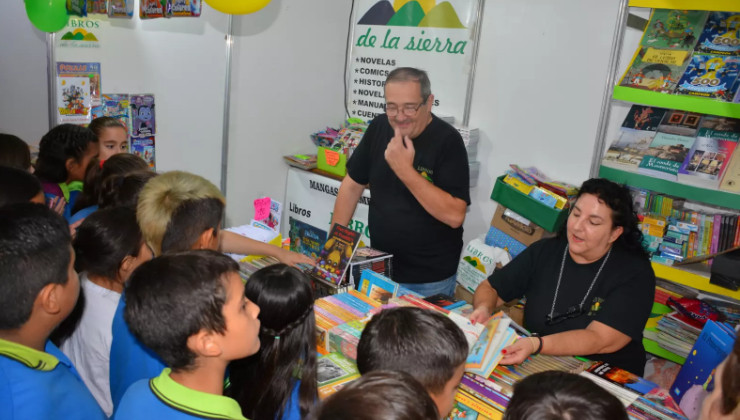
[[47, 15]]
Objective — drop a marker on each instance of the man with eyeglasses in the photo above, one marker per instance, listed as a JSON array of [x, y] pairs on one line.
[[416, 167]]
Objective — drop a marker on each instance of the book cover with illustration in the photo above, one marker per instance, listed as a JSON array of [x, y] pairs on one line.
[[117, 105], [336, 254], [673, 29], [710, 76], [485, 353], [682, 123], [642, 117], [305, 239], [622, 378], [73, 100], [655, 69], [721, 34], [665, 156], [695, 377], [143, 121], [91, 71], [627, 151], [334, 367], [707, 160], [377, 286], [145, 149]]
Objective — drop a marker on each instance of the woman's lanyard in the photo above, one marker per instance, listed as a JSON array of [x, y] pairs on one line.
[[573, 311]]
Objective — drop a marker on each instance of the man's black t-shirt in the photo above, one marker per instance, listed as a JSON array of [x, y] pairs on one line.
[[621, 298], [424, 249]]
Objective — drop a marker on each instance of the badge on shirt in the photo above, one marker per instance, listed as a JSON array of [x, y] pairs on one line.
[[595, 306], [425, 172]]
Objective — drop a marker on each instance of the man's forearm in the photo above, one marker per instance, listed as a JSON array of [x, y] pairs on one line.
[[436, 201], [346, 203]]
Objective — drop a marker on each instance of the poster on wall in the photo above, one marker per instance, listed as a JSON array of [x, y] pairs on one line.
[[78, 92], [436, 36], [309, 203]]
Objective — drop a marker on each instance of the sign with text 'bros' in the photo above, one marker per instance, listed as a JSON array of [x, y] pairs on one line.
[[309, 203], [432, 35]]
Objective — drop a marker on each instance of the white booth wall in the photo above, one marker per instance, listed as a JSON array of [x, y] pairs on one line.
[[539, 84]]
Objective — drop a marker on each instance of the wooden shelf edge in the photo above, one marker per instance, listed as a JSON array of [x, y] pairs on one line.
[[719, 5], [696, 281], [689, 192], [682, 102], [652, 347]]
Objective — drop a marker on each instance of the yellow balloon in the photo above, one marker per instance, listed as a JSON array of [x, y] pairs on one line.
[[237, 7]]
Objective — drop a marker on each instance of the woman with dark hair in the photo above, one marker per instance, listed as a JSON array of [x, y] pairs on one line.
[[589, 291], [109, 246], [724, 401], [123, 190], [279, 382], [555, 395], [65, 152]]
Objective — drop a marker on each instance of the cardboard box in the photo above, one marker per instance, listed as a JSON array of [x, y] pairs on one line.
[[512, 225]]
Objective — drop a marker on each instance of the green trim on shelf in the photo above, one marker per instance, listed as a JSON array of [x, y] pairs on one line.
[[682, 102], [724, 5], [653, 348], [697, 281], [714, 197]]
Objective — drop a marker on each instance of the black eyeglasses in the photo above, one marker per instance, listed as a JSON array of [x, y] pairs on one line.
[[408, 110], [556, 318]]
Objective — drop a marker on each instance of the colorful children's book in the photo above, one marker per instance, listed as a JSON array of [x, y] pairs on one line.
[[78, 91], [655, 70], [305, 239], [710, 76], [144, 148], [485, 354], [695, 377], [118, 106], [721, 34], [143, 121], [707, 160], [622, 378], [666, 154], [673, 29], [377, 287], [152, 9], [183, 8], [336, 254]]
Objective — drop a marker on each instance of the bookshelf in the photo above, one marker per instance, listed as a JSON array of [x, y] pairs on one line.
[[681, 102], [695, 276], [713, 197]]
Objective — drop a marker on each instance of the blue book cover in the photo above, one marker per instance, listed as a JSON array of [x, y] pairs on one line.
[[711, 348], [666, 155], [710, 76], [721, 34], [305, 239], [377, 286]]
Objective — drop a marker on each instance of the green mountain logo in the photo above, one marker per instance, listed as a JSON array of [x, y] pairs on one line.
[[79, 35], [414, 13]]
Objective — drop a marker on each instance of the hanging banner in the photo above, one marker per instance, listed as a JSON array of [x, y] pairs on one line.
[[435, 36], [309, 203]]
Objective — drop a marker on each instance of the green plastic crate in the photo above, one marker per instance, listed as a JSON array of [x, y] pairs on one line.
[[333, 166], [548, 218]]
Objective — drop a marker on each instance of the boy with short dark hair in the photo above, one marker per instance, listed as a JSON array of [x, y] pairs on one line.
[[176, 211], [423, 343], [190, 309], [38, 289]]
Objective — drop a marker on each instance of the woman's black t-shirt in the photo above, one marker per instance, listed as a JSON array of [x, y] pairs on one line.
[[621, 298]]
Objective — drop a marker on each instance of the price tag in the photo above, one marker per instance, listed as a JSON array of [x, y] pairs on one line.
[[332, 157], [262, 208]]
